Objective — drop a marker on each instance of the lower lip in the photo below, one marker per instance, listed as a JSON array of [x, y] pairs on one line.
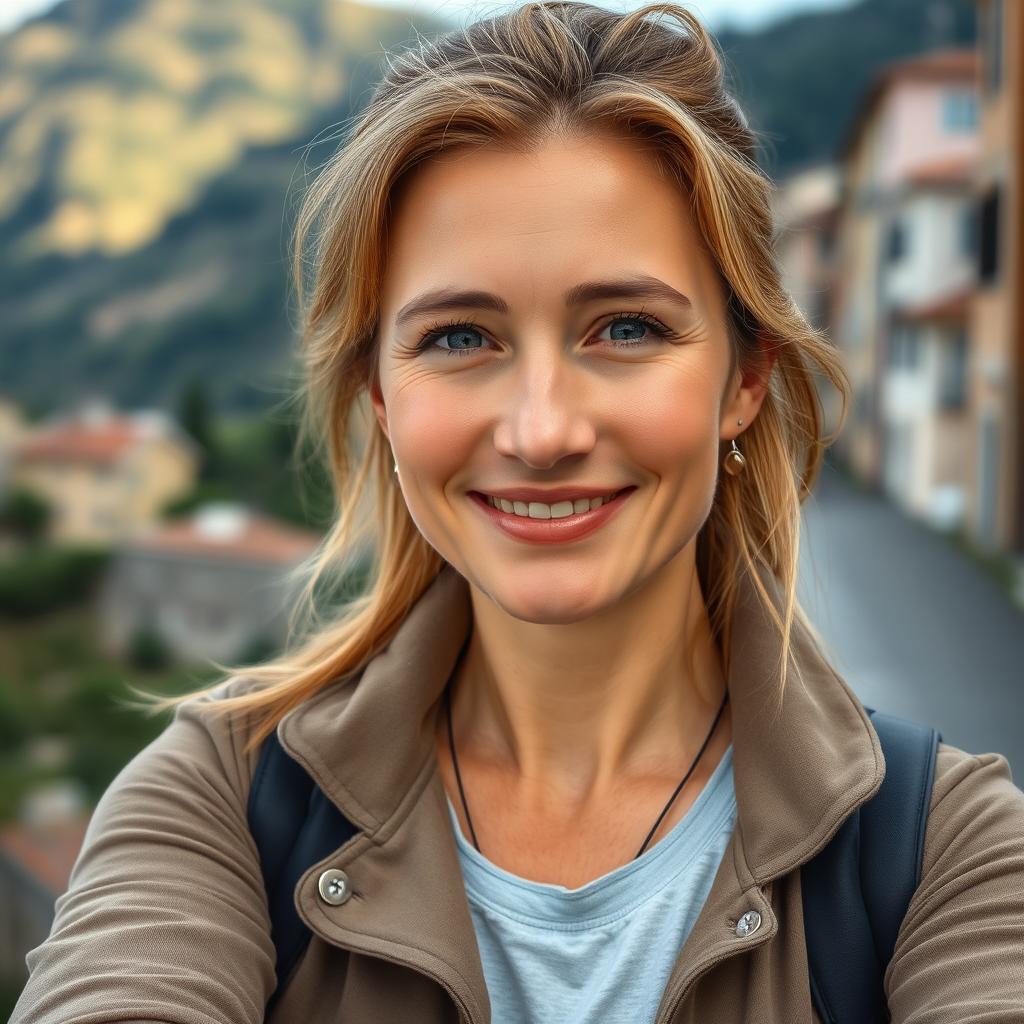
[[552, 531]]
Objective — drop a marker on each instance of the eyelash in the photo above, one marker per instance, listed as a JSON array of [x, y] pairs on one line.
[[439, 330]]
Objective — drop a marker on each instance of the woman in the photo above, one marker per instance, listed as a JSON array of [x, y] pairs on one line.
[[584, 731]]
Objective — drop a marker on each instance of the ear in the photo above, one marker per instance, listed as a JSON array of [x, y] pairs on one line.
[[377, 401], [747, 390]]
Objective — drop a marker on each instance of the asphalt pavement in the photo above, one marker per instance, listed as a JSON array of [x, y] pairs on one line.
[[914, 625]]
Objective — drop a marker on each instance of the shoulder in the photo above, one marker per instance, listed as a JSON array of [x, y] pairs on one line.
[[205, 730], [196, 764], [976, 810], [167, 882], [970, 899], [971, 788]]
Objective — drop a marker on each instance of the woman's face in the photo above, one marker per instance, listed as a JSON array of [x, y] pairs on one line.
[[553, 382]]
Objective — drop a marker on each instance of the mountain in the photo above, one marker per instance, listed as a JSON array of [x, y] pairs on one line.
[[151, 152], [150, 155], [801, 79]]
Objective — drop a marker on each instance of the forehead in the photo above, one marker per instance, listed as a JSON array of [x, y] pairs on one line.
[[575, 206]]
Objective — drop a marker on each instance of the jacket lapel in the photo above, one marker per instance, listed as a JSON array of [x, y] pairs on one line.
[[800, 768]]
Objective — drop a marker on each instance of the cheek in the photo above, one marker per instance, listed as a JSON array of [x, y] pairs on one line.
[[674, 423], [430, 435], [674, 436]]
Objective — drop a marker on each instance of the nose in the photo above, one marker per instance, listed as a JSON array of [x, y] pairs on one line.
[[547, 412]]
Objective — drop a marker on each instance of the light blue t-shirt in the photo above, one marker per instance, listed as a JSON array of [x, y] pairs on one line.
[[600, 954]]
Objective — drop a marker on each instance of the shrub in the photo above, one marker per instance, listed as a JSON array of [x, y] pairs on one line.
[[41, 578]]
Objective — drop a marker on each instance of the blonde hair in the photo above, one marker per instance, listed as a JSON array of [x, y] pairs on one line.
[[543, 68]]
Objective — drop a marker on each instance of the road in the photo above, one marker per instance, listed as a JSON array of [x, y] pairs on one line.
[[914, 626]]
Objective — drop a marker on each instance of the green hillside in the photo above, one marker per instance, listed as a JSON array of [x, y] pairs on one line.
[[150, 155]]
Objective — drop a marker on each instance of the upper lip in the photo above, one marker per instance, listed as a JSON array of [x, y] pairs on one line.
[[550, 496]]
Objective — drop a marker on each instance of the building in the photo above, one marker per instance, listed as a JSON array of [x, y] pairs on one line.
[[905, 268], [37, 853], [106, 474], [805, 209], [927, 284], [210, 585], [995, 512]]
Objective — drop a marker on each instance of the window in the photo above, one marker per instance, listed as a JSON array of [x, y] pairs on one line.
[[969, 230], [959, 111], [953, 380], [988, 236], [992, 45], [896, 242], [903, 347]]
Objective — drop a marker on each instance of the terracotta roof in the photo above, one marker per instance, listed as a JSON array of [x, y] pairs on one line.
[[955, 64], [955, 306], [951, 171], [95, 440], [70, 443], [46, 854], [960, 61], [228, 532]]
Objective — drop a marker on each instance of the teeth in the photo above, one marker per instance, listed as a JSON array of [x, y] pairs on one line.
[[539, 510]]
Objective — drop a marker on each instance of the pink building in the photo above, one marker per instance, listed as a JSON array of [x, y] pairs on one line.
[[905, 267]]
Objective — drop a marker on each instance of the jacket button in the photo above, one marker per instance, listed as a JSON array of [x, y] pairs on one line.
[[748, 923], [334, 886]]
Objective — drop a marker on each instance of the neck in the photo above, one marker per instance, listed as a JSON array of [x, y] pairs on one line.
[[571, 714]]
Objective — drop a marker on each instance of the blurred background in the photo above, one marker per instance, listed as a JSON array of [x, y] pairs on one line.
[[152, 153]]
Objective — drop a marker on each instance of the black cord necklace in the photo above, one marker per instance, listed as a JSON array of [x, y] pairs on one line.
[[462, 793]]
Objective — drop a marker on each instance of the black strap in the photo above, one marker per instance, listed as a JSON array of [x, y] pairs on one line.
[[294, 825], [857, 889]]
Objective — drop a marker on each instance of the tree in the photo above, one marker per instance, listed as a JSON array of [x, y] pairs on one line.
[[25, 514], [147, 650], [195, 417]]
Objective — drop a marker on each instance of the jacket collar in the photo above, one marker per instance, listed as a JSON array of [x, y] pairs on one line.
[[800, 767]]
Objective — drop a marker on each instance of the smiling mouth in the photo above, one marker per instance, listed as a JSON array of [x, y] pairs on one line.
[[552, 530], [521, 508]]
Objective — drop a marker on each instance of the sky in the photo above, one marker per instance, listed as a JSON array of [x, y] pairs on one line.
[[715, 13]]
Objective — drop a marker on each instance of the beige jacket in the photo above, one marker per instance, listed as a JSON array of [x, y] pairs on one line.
[[165, 918]]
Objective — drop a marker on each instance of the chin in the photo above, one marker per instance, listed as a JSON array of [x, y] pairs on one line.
[[544, 602]]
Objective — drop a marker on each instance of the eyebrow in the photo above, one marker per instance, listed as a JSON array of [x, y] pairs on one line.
[[440, 300]]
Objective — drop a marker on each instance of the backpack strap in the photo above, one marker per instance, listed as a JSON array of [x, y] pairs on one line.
[[294, 825], [856, 890]]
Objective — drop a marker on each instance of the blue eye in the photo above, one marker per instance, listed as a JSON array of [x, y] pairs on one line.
[[644, 319], [446, 330], [432, 334]]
